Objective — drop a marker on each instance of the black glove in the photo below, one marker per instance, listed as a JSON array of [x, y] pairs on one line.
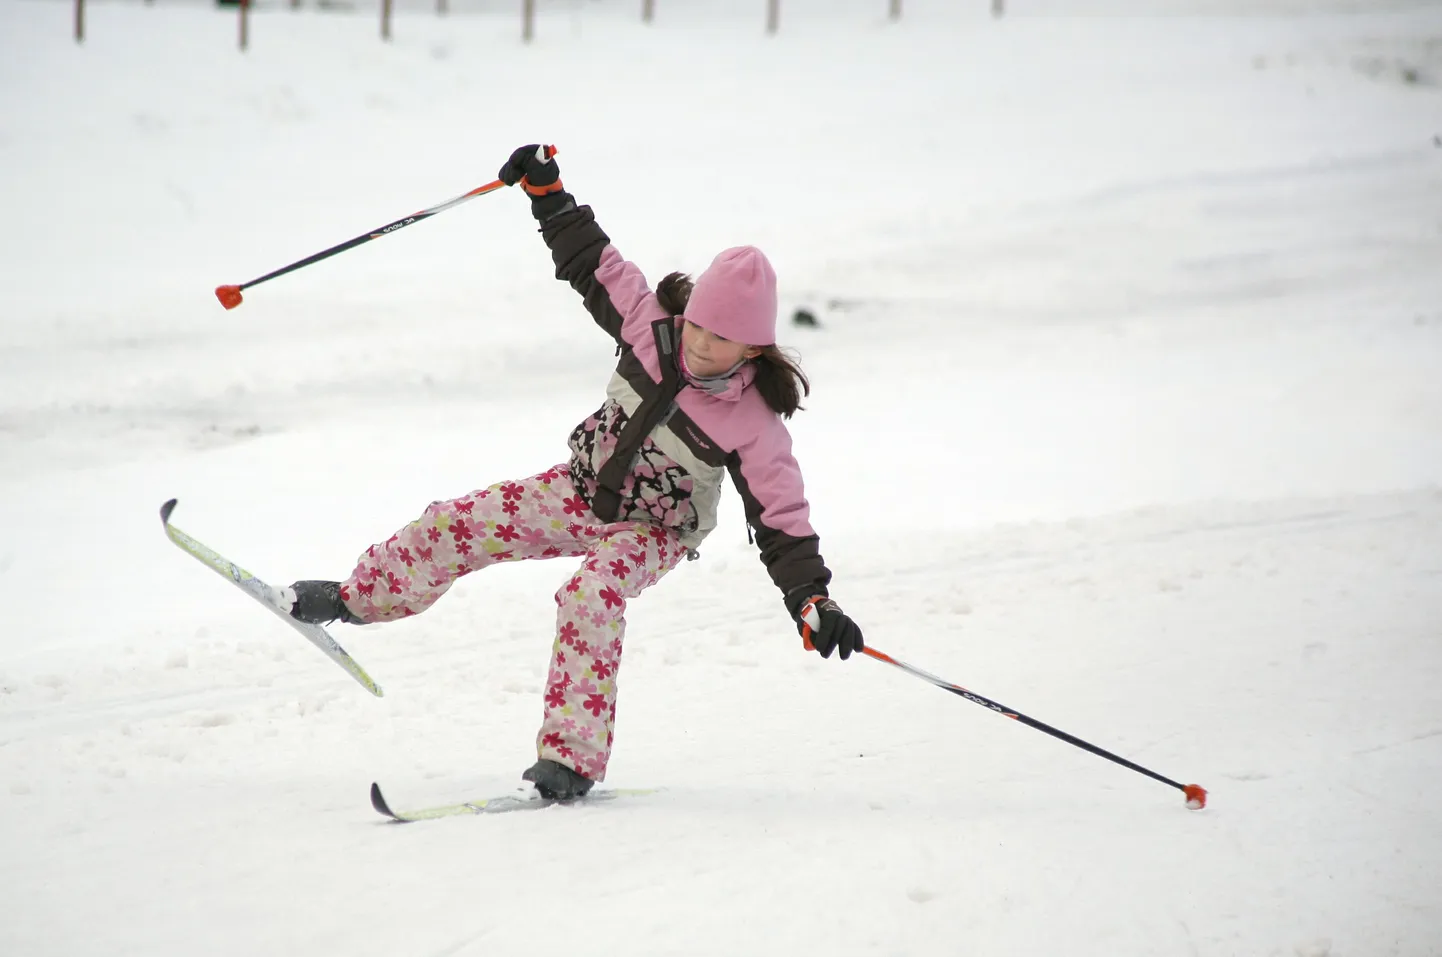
[[835, 628], [534, 167]]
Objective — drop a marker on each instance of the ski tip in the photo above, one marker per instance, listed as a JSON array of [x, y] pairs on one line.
[[378, 802], [166, 509]]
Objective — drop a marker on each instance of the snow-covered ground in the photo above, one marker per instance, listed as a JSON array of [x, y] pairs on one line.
[[1127, 413]]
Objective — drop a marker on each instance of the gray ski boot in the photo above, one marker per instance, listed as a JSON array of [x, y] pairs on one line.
[[556, 782], [318, 602]]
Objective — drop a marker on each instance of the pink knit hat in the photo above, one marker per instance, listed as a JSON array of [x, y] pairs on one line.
[[735, 297]]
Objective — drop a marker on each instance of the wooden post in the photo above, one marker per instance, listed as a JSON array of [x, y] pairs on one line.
[[896, 9], [79, 21], [244, 24], [648, 10], [773, 15], [385, 19], [528, 20]]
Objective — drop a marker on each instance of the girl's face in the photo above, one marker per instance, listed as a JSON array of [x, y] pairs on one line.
[[707, 354]]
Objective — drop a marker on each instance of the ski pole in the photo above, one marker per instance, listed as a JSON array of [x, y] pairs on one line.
[[1196, 795], [230, 297]]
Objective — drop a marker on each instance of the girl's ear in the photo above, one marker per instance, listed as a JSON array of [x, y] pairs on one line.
[[753, 351]]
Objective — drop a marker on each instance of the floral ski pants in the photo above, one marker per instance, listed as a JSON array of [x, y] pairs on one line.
[[538, 517]]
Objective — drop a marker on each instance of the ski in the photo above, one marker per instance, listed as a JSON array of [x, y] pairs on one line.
[[503, 804], [271, 597]]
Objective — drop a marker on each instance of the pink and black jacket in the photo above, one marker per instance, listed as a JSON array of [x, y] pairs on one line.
[[658, 449]]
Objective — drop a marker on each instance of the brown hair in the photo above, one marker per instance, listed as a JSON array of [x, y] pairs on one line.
[[778, 377]]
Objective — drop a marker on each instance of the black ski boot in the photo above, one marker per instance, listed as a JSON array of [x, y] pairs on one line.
[[556, 782], [318, 602]]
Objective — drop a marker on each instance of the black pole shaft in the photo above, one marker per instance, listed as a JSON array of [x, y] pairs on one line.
[[1058, 733], [348, 244]]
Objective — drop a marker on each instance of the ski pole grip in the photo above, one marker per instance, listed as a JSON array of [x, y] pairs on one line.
[[810, 622]]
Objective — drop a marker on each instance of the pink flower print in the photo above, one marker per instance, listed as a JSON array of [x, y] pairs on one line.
[[434, 534], [464, 548], [596, 765], [552, 740], [598, 620], [533, 537], [585, 732], [462, 532], [560, 657], [611, 598], [590, 566], [568, 724], [426, 554], [574, 506], [371, 573], [573, 530], [501, 556], [569, 633], [555, 696], [546, 510], [463, 506], [506, 533], [586, 686], [564, 751], [583, 648], [637, 558], [344, 593], [595, 704], [511, 491], [551, 552], [574, 584], [463, 568], [619, 569], [549, 476], [590, 530], [484, 493], [641, 539], [394, 583], [601, 669], [511, 509], [405, 556]]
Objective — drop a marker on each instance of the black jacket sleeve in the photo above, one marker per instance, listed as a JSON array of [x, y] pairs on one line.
[[576, 243]]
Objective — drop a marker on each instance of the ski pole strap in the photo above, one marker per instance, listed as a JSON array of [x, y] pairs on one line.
[[538, 191]]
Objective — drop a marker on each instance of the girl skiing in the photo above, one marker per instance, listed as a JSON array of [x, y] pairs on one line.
[[700, 390]]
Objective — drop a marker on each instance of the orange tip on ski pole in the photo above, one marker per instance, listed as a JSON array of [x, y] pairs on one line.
[[229, 296]]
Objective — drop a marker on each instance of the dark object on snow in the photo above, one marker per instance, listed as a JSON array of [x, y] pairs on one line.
[[319, 603], [556, 782], [804, 317]]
